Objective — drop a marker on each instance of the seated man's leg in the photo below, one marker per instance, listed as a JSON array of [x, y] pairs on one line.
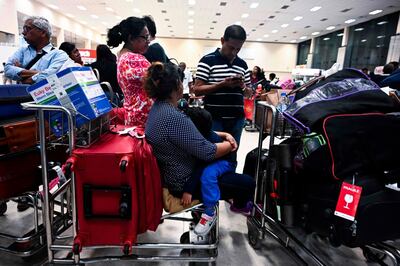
[[238, 187]]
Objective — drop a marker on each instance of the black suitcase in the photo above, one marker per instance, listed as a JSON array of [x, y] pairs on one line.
[[377, 218]]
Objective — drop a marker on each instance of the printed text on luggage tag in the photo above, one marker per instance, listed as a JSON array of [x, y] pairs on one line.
[[347, 204]]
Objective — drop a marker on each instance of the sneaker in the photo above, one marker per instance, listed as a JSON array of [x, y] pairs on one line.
[[205, 224], [246, 210]]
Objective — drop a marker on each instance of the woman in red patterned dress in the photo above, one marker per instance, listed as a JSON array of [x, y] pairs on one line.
[[132, 66]]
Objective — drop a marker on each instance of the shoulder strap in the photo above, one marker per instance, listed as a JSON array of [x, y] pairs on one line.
[[36, 58]]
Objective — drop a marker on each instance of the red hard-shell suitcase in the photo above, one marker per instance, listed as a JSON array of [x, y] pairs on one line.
[[108, 175]]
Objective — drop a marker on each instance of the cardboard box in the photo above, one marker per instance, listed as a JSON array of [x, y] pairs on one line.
[[75, 88]]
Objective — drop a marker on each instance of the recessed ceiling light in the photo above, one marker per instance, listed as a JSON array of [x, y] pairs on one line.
[[274, 31], [94, 16], [136, 10], [363, 40], [190, 36], [382, 22], [375, 12], [303, 37], [190, 12], [350, 21], [359, 29], [284, 25], [315, 8], [190, 27], [81, 7], [69, 15], [245, 15], [298, 18], [109, 9], [330, 28], [53, 6], [315, 33], [326, 39], [266, 36], [340, 34], [254, 5], [192, 2], [259, 39], [191, 20], [238, 23], [380, 36], [293, 41], [190, 32]]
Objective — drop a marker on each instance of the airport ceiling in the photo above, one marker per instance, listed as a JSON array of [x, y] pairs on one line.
[[264, 20]]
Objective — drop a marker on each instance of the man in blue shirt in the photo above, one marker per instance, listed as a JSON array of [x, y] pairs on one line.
[[39, 59]]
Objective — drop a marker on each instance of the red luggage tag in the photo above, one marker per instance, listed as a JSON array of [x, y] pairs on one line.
[[347, 204]]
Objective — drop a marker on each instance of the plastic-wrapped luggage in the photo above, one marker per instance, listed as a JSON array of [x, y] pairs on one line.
[[11, 96], [118, 187]]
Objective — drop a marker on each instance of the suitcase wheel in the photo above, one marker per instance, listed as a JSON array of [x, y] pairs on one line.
[[76, 249], [127, 248]]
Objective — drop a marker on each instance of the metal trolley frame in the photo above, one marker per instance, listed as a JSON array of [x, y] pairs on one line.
[[261, 223], [195, 248]]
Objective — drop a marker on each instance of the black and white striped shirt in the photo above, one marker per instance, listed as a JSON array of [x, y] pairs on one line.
[[225, 102]]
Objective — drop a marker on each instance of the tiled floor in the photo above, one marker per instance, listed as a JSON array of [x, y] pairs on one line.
[[234, 248]]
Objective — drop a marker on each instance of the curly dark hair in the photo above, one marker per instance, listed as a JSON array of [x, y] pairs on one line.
[[161, 80]]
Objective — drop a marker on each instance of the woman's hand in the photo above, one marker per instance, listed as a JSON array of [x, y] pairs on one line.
[[228, 137], [186, 199]]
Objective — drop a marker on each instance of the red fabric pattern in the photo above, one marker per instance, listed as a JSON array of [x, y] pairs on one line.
[[130, 73]]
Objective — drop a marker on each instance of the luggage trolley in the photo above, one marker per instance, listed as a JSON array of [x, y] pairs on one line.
[[62, 249], [262, 222]]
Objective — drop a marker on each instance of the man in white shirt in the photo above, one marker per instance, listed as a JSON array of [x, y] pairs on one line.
[[187, 81]]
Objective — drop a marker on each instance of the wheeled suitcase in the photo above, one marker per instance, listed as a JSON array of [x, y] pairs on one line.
[[108, 176], [11, 97], [17, 134], [19, 172]]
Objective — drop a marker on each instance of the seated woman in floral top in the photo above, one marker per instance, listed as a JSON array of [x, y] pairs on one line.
[[132, 66]]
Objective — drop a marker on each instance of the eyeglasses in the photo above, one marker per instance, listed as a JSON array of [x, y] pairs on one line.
[[146, 38], [26, 28]]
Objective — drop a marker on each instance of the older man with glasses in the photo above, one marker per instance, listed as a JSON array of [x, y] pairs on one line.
[[39, 59]]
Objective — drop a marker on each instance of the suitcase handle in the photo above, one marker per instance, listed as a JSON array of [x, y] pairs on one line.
[[92, 193]]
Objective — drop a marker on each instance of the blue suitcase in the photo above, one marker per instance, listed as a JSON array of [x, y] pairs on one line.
[[11, 97]]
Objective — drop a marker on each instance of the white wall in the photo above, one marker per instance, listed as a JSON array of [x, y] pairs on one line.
[[272, 57]]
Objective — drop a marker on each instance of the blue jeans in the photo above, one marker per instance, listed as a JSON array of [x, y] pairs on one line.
[[209, 180], [232, 126]]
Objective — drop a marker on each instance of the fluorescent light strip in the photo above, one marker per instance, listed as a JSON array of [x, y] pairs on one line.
[[315, 33], [303, 37], [284, 25], [245, 15], [192, 2], [350, 21], [375, 12], [81, 7], [254, 5], [315, 8], [330, 28], [274, 31], [298, 18]]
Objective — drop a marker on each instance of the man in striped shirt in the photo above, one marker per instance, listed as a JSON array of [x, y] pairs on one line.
[[223, 77]]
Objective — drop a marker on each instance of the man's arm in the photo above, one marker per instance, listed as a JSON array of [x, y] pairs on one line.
[[12, 67], [202, 88], [55, 64]]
